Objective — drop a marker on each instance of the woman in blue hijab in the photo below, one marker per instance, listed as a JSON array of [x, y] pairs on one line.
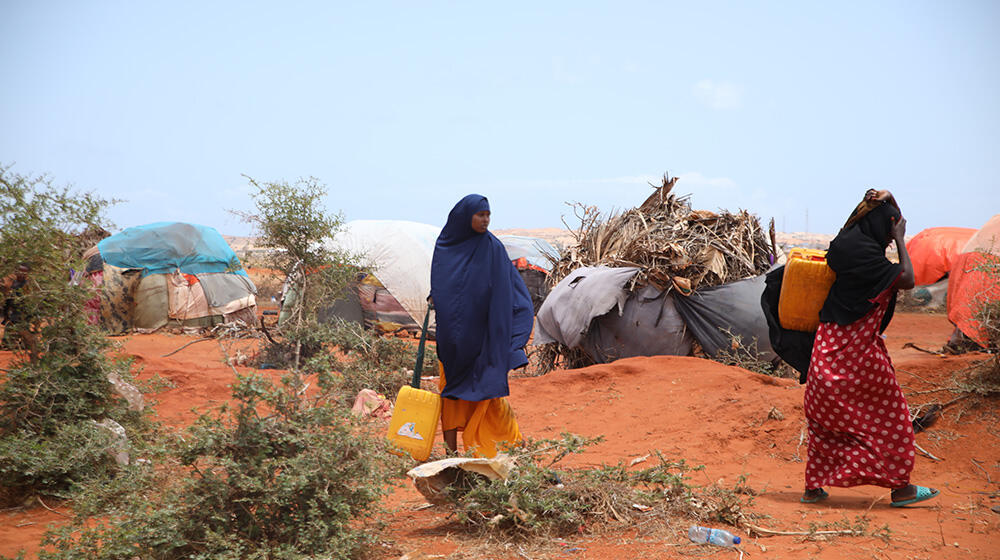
[[484, 319]]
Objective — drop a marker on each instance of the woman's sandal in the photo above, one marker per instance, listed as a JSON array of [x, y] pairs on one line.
[[923, 493], [821, 495]]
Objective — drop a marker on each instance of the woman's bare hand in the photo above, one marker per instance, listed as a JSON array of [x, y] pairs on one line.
[[899, 230]]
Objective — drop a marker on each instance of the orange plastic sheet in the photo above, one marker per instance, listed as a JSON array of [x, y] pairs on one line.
[[969, 286], [933, 251]]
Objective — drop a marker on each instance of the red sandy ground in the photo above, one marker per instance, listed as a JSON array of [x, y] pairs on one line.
[[687, 408]]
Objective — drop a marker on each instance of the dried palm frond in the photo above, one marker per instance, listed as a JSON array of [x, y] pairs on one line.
[[670, 243]]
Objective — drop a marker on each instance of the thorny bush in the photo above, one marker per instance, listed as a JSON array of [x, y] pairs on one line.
[[57, 388], [539, 500], [279, 475]]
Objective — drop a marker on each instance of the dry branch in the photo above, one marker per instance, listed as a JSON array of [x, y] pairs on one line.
[[673, 246], [668, 241]]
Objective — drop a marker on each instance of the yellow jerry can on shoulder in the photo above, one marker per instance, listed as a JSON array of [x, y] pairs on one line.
[[416, 413], [804, 287]]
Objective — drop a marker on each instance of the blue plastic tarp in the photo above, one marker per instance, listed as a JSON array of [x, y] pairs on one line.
[[164, 247]]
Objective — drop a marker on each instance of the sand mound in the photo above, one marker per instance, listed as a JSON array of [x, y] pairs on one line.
[[685, 407]]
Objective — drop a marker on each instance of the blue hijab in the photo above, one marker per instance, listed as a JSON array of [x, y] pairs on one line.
[[484, 312]]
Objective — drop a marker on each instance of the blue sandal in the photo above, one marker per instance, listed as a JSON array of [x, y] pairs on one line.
[[823, 494], [923, 493]]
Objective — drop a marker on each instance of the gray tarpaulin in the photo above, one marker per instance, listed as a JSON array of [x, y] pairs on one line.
[[649, 326], [713, 315], [587, 292], [590, 309], [222, 288]]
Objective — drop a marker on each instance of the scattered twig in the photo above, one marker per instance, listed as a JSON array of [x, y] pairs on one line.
[[925, 452], [202, 339], [771, 532], [39, 498], [976, 463], [225, 354], [922, 378], [915, 347], [263, 329], [871, 505], [802, 437], [955, 400]]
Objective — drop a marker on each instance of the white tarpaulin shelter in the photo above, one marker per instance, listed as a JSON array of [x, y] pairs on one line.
[[399, 254]]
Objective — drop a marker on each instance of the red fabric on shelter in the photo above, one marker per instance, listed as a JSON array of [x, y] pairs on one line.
[[933, 250], [523, 264], [859, 423], [969, 288]]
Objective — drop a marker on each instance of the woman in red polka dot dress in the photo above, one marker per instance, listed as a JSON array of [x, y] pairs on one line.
[[859, 424]]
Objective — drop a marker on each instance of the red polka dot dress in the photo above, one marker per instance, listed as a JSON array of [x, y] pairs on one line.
[[859, 424]]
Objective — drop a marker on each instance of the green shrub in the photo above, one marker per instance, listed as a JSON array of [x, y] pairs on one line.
[[57, 385], [290, 219], [539, 500], [277, 475], [57, 462]]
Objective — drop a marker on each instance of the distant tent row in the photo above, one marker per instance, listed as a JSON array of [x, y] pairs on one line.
[[185, 274], [168, 273], [398, 253]]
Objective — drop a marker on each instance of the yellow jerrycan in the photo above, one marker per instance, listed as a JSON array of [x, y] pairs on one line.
[[417, 412], [804, 287]]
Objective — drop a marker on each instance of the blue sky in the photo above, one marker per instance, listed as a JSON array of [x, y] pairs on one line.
[[787, 109]]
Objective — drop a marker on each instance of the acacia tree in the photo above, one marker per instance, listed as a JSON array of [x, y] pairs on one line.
[[58, 382], [292, 221]]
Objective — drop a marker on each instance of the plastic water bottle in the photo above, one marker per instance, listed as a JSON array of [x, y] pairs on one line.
[[717, 537]]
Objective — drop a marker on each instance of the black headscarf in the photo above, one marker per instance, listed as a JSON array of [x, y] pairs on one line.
[[857, 256]]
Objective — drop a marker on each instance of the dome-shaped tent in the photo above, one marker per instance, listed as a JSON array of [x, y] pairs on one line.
[[970, 282], [167, 272], [398, 253], [933, 250]]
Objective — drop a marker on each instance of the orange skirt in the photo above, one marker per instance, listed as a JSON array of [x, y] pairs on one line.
[[483, 424]]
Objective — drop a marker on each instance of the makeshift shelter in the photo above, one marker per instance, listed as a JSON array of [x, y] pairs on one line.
[[398, 253], [933, 250], [593, 310], [533, 257], [654, 280], [169, 273], [974, 280]]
